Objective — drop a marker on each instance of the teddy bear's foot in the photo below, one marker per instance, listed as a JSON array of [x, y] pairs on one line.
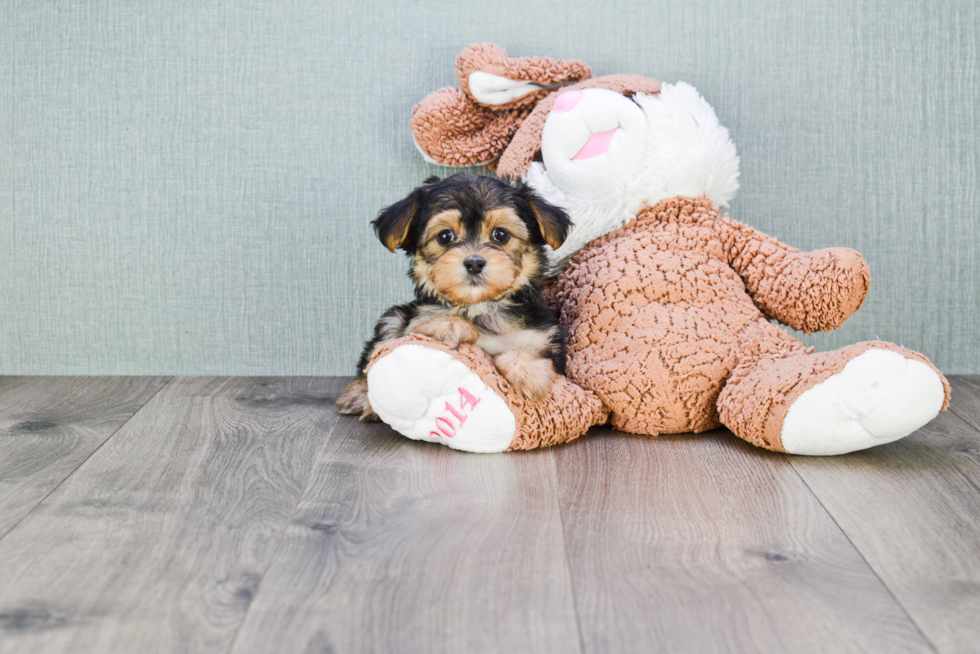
[[425, 394], [879, 397], [430, 391], [866, 394]]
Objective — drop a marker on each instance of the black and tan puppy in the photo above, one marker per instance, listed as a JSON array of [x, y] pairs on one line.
[[477, 250]]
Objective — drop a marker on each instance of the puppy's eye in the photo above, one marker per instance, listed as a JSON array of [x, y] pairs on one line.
[[499, 236], [446, 236]]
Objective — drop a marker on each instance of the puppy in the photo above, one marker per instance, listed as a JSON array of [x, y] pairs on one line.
[[477, 255]]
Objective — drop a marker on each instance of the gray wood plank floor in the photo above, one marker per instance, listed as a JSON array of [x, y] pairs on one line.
[[49, 426], [242, 515], [706, 544]]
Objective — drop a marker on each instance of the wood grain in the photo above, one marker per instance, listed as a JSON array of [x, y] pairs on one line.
[[50, 425], [223, 516], [964, 400], [705, 544], [401, 546], [158, 542], [912, 508]]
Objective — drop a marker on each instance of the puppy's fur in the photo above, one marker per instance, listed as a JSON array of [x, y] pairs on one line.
[[477, 247]]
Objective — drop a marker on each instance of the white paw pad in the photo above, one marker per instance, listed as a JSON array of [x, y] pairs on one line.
[[879, 397], [426, 395]]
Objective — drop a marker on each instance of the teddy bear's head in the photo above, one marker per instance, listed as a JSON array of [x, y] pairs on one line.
[[601, 148], [605, 156]]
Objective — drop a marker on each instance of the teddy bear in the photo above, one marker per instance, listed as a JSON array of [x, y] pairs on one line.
[[671, 307]]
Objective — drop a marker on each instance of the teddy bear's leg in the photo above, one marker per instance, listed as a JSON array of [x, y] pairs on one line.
[[428, 391], [830, 402]]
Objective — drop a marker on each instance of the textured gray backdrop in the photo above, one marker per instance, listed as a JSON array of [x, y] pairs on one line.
[[185, 187]]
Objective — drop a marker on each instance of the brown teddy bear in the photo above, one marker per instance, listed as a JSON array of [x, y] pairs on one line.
[[668, 303]]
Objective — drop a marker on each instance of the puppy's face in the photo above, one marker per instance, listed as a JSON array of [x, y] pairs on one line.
[[473, 239]]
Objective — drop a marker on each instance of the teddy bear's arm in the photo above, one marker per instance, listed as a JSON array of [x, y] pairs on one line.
[[810, 291]]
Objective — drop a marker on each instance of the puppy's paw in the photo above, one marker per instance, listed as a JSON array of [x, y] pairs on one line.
[[451, 330], [529, 373], [354, 401], [369, 415]]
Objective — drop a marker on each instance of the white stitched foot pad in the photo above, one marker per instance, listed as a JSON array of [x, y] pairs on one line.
[[879, 397], [426, 395]]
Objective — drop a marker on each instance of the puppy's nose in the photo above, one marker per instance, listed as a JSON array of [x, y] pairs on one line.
[[474, 264]]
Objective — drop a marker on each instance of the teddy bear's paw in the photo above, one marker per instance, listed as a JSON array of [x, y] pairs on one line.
[[426, 394], [879, 397]]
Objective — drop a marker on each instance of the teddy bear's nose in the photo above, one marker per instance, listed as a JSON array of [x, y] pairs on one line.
[[567, 101]]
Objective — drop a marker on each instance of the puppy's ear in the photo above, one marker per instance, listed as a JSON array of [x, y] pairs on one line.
[[393, 223], [553, 222]]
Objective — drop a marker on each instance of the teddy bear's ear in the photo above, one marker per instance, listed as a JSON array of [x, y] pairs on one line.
[[491, 78], [471, 125], [525, 146], [452, 130]]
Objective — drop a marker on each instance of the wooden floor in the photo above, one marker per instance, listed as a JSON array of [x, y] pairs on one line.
[[241, 515]]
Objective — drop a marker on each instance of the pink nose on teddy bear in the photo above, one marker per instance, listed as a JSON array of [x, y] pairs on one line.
[[567, 101]]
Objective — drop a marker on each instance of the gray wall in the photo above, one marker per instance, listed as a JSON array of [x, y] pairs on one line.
[[185, 187]]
